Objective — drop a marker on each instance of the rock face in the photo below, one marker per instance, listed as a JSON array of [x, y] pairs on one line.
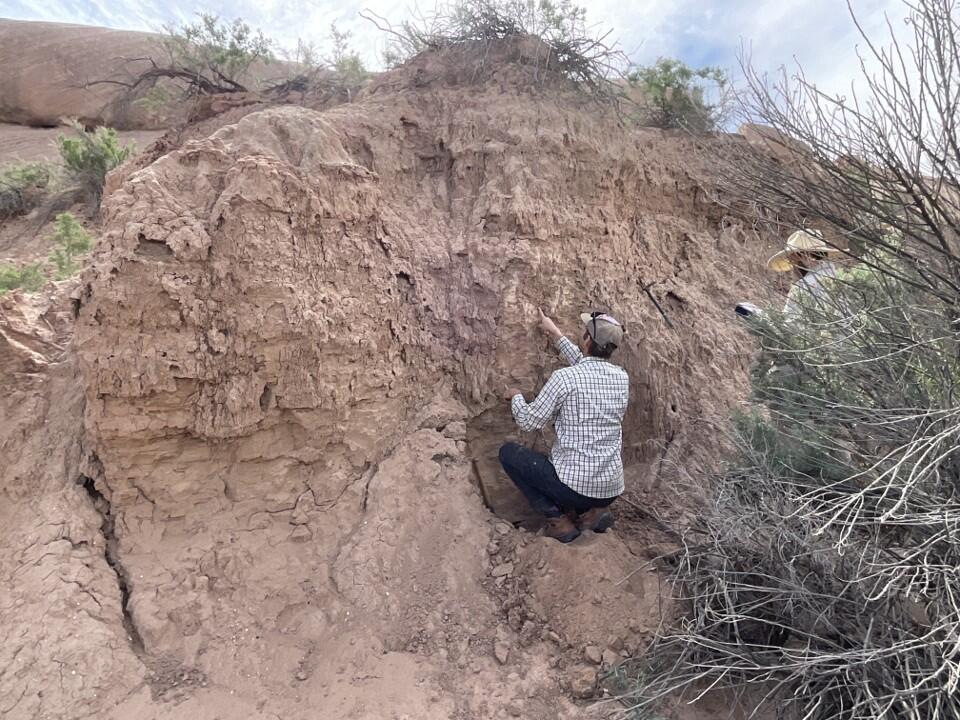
[[48, 69], [52, 71], [293, 341]]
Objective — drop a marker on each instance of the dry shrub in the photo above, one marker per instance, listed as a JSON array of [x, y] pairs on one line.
[[23, 186], [573, 50], [825, 577]]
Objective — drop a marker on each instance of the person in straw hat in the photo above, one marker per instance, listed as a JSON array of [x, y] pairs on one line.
[[807, 254]]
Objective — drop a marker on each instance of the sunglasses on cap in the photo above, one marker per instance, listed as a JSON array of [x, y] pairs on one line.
[[600, 315]]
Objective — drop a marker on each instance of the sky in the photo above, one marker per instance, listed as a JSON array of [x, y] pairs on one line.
[[819, 34]]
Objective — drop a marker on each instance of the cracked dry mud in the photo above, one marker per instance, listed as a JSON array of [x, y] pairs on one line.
[[251, 452]]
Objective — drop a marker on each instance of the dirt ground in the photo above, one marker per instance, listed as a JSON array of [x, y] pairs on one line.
[[19, 143], [251, 448]]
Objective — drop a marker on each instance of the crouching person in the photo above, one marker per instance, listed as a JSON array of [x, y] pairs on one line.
[[574, 487]]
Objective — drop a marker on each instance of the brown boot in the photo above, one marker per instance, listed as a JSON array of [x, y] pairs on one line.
[[561, 528], [597, 519]]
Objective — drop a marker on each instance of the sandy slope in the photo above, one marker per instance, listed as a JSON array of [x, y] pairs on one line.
[[19, 143]]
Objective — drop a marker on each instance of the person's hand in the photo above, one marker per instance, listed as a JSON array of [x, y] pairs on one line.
[[511, 393], [548, 326]]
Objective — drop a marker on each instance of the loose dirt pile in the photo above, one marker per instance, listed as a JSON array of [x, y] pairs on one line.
[[253, 483]]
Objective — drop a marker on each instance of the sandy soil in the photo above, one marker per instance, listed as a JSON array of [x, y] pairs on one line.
[[19, 143]]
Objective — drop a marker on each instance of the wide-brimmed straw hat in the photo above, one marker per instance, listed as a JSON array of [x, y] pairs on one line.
[[802, 241]]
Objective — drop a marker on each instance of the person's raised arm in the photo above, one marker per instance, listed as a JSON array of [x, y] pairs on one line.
[[566, 347]]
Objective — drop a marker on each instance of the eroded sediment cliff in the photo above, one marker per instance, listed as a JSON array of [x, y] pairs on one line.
[[292, 344]]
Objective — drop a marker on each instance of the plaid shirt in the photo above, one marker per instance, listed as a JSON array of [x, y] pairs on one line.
[[588, 400]]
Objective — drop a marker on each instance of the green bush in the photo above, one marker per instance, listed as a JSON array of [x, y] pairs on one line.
[[88, 158], [22, 186], [70, 240], [29, 277], [675, 95], [345, 62], [337, 76], [214, 56]]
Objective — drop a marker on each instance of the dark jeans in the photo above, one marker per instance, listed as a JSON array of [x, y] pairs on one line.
[[535, 476]]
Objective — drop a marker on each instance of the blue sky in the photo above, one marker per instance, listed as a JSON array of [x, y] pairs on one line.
[[817, 33]]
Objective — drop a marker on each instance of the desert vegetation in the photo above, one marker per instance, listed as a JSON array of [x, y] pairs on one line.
[[205, 57], [666, 94], [29, 277], [674, 95], [325, 75], [587, 58], [212, 56], [70, 241], [823, 578], [23, 186], [87, 158]]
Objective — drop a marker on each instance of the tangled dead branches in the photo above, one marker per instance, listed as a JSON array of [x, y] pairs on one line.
[[571, 50], [826, 578]]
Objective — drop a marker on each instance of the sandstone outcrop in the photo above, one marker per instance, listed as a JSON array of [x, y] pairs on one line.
[[50, 71]]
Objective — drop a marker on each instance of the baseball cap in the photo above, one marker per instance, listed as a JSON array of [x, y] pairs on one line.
[[603, 329]]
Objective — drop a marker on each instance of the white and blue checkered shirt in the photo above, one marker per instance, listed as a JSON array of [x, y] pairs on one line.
[[588, 399]]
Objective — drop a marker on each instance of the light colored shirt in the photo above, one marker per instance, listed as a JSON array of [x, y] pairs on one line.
[[588, 401], [810, 287]]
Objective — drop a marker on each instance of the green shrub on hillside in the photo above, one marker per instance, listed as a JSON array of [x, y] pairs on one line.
[[88, 157], [206, 57], [22, 186], [213, 57], [30, 277], [675, 95], [324, 77], [345, 62], [70, 240]]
